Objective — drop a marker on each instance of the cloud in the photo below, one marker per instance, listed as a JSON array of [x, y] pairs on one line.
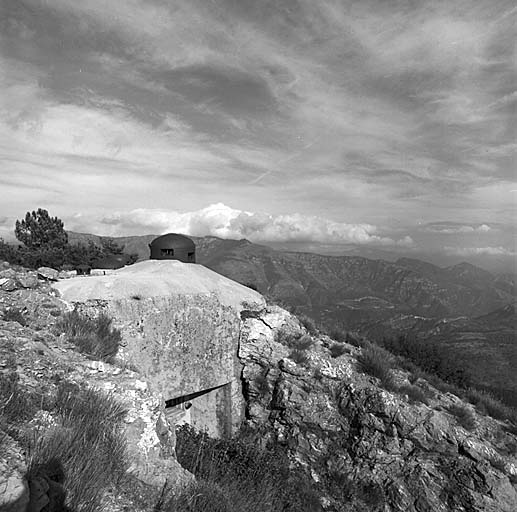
[[368, 113], [479, 251], [448, 228], [225, 222]]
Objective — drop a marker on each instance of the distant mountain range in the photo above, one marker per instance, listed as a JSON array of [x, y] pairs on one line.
[[470, 309]]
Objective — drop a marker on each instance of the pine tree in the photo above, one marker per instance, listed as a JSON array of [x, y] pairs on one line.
[[38, 231]]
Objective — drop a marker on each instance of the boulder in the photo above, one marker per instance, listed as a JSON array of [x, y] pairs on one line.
[[48, 274], [8, 272], [28, 280], [9, 285]]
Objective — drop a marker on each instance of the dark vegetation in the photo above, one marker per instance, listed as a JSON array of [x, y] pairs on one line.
[[93, 336], [337, 349], [377, 362], [238, 475], [431, 362], [299, 344], [308, 323], [78, 457], [14, 315], [432, 357], [464, 416], [45, 243]]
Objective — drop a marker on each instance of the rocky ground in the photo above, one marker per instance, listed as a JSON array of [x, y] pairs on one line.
[[366, 447]]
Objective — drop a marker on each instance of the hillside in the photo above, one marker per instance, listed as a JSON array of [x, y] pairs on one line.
[[361, 433]]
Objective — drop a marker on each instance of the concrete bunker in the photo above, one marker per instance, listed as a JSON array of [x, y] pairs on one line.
[[173, 247], [207, 410]]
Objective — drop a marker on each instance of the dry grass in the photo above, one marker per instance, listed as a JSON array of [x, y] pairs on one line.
[[93, 336], [464, 416], [377, 362], [14, 315], [16, 405], [414, 394], [238, 476], [486, 403], [299, 356], [308, 323], [85, 452], [337, 349]]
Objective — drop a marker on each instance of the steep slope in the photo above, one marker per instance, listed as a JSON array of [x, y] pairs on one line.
[[368, 448]]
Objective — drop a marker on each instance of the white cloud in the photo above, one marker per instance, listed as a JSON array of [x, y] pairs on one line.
[[225, 222], [479, 251], [449, 228]]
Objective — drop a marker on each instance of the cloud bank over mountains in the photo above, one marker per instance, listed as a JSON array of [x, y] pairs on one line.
[[225, 222]]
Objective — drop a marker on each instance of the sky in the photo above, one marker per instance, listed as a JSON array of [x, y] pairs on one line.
[[329, 125]]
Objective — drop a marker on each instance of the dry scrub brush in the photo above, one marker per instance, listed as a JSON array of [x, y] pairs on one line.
[[86, 445], [93, 336], [237, 475]]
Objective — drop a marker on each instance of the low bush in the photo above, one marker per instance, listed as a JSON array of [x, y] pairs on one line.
[[377, 362], [262, 383], [337, 349], [16, 405], [433, 357], [93, 336], [287, 337], [237, 475], [84, 454], [308, 323], [299, 356], [303, 343], [464, 416], [486, 403], [337, 335], [415, 394], [14, 315]]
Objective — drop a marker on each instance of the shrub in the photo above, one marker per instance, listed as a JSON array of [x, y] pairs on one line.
[[16, 405], [92, 336], [237, 475], [377, 362], [430, 356], [262, 383], [14, 315], [486, 403], [464, 416], [85, 453], [303, 343], [337, 334], [308, 323], [414, 393], [299, 356], [337, 349]]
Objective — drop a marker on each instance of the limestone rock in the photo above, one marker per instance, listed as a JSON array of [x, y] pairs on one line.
[[9, 284], [28, 280], [373, 449], [48, 274], [14, 490]]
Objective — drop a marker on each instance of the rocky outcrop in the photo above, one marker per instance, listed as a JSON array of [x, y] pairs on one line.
[[367, 448]]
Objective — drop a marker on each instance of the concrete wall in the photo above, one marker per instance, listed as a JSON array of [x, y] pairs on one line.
[[183, 344]]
